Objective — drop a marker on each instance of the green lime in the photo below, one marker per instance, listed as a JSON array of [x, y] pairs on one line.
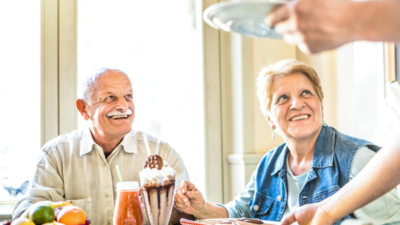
[[42, 213]]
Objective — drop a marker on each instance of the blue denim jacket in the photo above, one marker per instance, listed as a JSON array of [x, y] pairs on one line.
[[330, 170]]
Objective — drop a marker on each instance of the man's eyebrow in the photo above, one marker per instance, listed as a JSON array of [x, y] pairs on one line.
[[110, 92]]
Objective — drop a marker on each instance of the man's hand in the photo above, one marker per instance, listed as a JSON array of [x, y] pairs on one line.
[[316, 25], [188, 199], [312, 214]]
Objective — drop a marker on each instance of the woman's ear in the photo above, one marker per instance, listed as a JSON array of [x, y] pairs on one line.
[[82, 107], [271, 123]]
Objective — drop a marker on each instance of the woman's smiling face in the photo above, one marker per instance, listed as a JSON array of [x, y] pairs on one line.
[[295, 110]]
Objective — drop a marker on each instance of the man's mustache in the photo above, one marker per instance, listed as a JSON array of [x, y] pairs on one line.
[[118, 113]]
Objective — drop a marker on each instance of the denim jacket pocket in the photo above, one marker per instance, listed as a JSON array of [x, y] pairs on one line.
[[260, 205], [321, 195]]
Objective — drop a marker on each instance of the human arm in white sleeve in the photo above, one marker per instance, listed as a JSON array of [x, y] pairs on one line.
[[385, 209], [46, 185]]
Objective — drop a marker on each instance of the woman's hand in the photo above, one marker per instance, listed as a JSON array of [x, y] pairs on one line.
[[188, 199], [311, 214]]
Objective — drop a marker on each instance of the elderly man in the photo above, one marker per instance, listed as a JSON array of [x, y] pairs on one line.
[[80, 166]]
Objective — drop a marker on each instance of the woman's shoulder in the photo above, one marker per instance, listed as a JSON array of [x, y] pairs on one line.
[[353, 142]]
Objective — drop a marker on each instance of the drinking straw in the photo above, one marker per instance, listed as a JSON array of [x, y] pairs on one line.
[[158, 147], [146, 143], [119, 173]]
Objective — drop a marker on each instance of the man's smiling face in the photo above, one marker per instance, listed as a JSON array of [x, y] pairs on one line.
[[111, 111]]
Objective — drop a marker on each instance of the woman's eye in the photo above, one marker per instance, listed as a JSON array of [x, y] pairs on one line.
[[282, 98], [306, 92]]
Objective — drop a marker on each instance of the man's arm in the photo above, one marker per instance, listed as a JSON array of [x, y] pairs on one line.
[[379, 176], [318, 25], [46, 185]]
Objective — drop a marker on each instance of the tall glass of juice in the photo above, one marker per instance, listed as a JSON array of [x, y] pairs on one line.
[[128, 209]]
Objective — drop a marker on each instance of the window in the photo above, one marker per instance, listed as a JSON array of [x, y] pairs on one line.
[[361, 90], [20, 135], [159, 45]]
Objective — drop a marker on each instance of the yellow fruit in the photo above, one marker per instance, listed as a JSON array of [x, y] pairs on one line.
[[22, 221], [60, 204], [42, 213]]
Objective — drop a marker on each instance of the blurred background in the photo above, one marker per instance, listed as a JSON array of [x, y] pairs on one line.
[[193, 85]]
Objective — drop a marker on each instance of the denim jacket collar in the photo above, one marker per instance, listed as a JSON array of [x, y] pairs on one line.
[[281, 161], [323, 153], [324, 149]]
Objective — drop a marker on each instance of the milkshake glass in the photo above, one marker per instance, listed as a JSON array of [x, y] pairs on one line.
[[158, 192]]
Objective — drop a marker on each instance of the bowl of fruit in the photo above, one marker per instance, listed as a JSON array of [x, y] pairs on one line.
[[52, 213]]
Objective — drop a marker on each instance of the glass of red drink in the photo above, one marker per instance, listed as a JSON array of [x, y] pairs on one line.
[[128, 208]]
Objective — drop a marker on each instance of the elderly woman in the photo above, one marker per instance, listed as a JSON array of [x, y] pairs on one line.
[[314, 162]]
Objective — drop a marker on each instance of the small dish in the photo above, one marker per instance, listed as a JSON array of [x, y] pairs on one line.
[[245, 17]]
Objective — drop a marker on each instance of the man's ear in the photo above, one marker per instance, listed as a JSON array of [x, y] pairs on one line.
[[82, 107]]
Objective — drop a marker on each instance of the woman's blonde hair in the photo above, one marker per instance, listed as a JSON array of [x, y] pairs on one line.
[[268, 74]]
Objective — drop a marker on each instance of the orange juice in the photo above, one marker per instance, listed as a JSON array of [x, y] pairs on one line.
[[128, 208]]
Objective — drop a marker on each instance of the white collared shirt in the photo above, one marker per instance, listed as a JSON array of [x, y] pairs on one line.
[[73, 167]]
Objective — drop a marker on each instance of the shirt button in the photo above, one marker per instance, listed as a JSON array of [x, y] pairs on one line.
[[279, 198], [255, 207], [107, 195]]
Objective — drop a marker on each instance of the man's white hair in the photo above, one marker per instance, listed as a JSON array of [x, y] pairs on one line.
[[90, 83]]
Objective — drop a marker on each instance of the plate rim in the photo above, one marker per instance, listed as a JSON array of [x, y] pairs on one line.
[[265, 221], [217, 6], [211, 10]]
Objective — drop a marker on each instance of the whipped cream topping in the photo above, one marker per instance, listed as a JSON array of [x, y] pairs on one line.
[[157, 176]]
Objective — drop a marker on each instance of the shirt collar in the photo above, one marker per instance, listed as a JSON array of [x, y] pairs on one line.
[[323, 153], [87, 143], [129, 145]]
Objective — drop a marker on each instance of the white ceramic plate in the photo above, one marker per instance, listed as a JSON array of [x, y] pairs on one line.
[[215, 221], [245, 17]]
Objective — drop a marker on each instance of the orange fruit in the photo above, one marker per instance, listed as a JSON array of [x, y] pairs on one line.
[[72, 215]]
